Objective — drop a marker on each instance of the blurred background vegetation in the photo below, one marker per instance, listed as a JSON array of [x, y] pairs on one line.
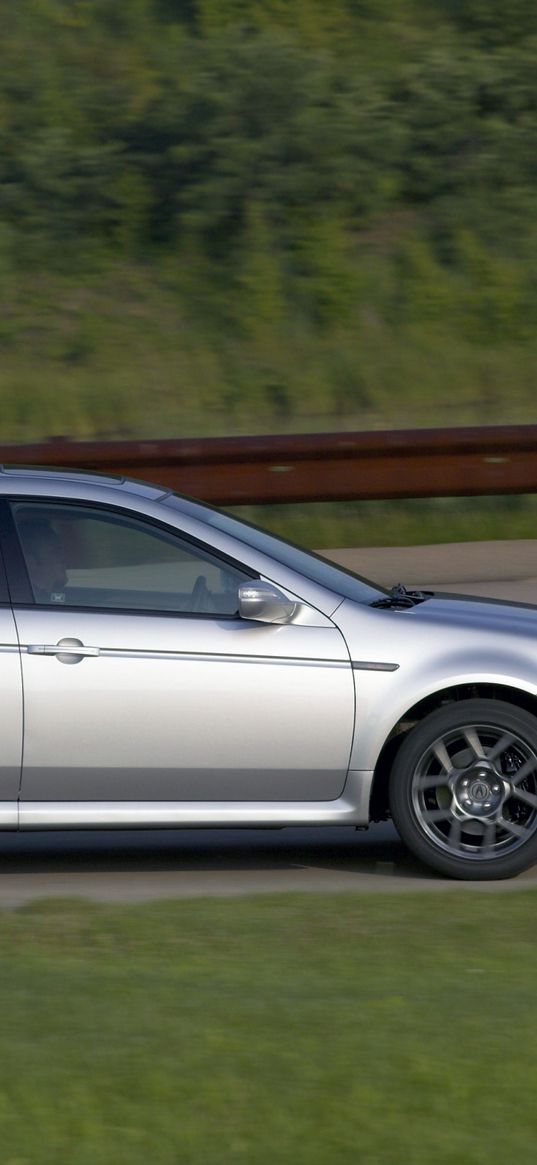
[[266, 215]]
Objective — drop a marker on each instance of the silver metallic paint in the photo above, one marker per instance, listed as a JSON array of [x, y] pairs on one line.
[[435, 651], [11, 709], [169, 701], [128, 736]]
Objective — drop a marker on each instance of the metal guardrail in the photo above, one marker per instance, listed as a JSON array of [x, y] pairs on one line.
[[312, 467]]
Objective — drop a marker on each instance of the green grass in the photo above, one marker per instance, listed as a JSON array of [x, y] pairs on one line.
[[322, 525], [385, 1030], [123, 352]]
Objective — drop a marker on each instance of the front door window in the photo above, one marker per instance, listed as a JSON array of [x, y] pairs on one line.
[[85, 557]]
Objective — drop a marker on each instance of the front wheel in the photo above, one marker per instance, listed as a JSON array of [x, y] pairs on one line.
[[463, 790]]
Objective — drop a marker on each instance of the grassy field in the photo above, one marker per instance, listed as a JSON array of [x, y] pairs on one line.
[[123, 353], [127, 352], [399, 523], [318, 1030]]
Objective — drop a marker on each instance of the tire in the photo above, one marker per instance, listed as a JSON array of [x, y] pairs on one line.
[[463, 790]]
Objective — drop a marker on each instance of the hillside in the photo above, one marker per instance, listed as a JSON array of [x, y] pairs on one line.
[[256, 215]]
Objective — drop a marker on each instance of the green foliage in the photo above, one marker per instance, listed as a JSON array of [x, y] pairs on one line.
[[493, 21], [322, 213], [326, 525], [178, 118]]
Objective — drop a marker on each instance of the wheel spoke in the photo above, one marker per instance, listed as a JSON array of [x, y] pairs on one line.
[[472, 739], [489, 836], [454, 835], [442, 755], [528, 767], [511, 827], [501, 745], [424, 783], [528, 798], [432, 815]]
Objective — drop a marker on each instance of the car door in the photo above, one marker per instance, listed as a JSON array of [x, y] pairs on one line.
[[141, 683], [11, 705]]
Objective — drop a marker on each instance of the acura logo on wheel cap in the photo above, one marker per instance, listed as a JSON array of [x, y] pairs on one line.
[[479, 791]]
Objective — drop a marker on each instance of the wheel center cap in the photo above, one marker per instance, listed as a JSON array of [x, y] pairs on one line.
[[480, 792]]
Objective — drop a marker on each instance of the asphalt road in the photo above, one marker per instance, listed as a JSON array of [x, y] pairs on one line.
[[505, 570], [129, 866]]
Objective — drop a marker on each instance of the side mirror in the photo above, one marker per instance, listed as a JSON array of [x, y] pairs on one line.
[[263, 602]]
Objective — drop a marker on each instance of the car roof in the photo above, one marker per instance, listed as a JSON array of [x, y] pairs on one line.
[[13, 475]]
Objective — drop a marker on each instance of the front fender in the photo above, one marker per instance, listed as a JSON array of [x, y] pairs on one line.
[[384, 698]]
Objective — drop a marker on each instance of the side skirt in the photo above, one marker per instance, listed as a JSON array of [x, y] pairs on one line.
[[352, 808]]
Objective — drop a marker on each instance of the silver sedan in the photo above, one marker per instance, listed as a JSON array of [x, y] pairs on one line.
[[164, 664]]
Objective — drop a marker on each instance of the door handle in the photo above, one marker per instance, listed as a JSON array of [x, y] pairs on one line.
[[66, 650]]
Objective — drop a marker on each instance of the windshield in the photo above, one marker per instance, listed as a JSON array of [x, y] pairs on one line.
[[326, 574]]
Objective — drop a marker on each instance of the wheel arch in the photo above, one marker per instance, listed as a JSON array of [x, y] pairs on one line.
[[379, 800]]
